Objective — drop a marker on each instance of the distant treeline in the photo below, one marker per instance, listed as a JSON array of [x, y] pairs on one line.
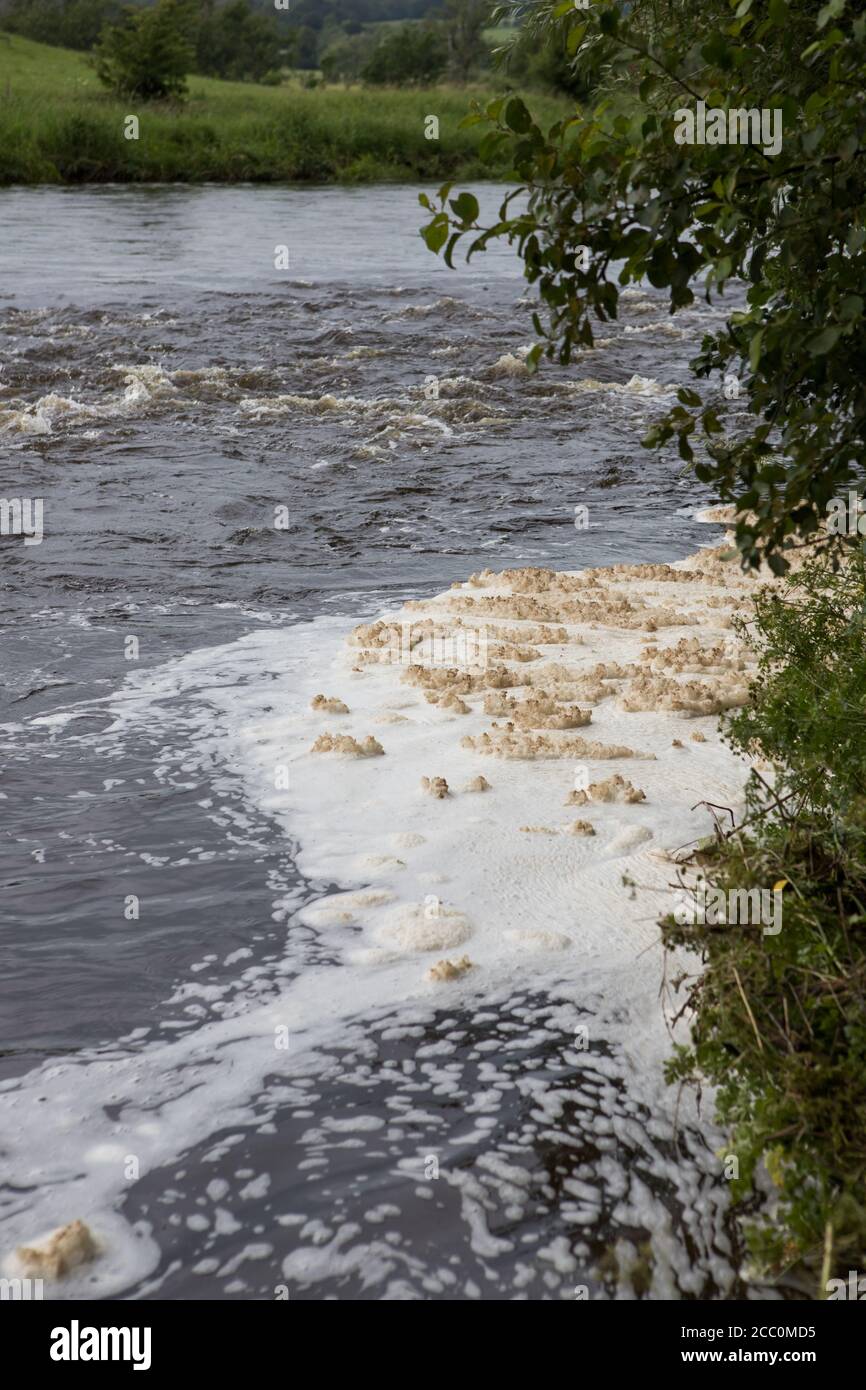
[[393, 42], [78, 23], [232, 40]]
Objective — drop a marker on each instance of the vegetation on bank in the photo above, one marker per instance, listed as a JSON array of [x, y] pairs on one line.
[[623, 191], [780, 1020], [58, 124]]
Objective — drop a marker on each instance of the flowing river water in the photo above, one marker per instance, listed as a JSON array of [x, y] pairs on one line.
[[236, 462]]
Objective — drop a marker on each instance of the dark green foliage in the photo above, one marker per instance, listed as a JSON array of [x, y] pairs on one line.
[[66, 23], [464, 23], [411, 54], [149, 53], [780, 1021], [236, 42], [691, 217], [345, 59]]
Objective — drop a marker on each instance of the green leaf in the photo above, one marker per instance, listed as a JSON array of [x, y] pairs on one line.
[[435, 233], [465, 207], [848, 147], [856, 238], [823, 341], [830, 11], [517, 117], [575, 37], [688, 396]]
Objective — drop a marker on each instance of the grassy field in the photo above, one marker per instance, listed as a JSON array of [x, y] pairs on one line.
[[58, 125]]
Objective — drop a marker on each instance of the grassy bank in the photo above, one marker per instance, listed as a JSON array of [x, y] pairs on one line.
[[780, 1020], [58, 125]]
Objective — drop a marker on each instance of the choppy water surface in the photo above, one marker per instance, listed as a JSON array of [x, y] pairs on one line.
[[166, 391]]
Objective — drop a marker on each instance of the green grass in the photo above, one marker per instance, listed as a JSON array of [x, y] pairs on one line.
[[58, 125]]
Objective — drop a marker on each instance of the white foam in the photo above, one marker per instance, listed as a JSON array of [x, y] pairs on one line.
[[557, 901]]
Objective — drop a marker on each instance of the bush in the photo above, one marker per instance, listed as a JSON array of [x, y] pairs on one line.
[[414, 53], [148, 54], [780, 1021]]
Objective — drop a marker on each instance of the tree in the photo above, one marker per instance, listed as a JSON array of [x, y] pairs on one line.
[[464, 23], [236, 42], [149, 53], [623, 179], [345, 59], [414, 53]]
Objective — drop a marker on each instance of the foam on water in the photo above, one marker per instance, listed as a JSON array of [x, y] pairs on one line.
[[413, 876]]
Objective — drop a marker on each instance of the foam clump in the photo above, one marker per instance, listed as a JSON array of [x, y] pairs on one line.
[[513, 651], [445, 970], [322, 704], [531, 634], [339, 909], [425, 927], [477, 784], [723, 515], [537, 712], [581, 827], [449, 701], [509, 365], [615, 788], [508, 745], [690, 655], [435, 786], [462, 682], [652, 692], [347, 746], [62, 1251]]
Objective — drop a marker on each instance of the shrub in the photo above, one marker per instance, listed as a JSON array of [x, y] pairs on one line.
[[148, 54]]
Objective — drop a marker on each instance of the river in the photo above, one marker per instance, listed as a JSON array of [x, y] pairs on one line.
[[232, 457]]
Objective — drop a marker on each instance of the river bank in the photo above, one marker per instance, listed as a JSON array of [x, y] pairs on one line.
[[59, 125]]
